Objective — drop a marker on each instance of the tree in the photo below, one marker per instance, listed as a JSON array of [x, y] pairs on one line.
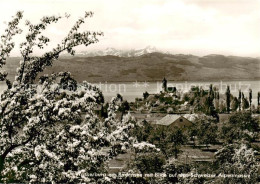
[[211, 92], [245, 103], [222, 106], [258, 98], [150, 162], [216, 101], [228, 99], [146, 131], [234, 104], [48, 130], [236, 159], [124, 107], [176, 138], [174, 170], [161, 136], [239, 99], [209, 136], [209, 105], [250, 98], [7, 44], [147, 159], [206, 130], [216, 104], [240, 126], [201, 92]]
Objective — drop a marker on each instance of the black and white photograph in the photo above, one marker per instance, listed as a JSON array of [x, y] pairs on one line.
[[130, 91]]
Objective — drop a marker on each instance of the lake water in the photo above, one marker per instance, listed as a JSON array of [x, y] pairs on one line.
[[132, 90]]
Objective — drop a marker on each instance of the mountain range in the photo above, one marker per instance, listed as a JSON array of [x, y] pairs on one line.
[[118, 52], [152, 67]]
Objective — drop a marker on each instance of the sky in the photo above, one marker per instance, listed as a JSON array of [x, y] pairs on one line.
[[199, 27]]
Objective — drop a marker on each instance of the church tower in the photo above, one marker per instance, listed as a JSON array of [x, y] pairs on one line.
[[164, 85]]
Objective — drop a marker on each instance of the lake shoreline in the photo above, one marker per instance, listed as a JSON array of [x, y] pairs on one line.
[[177, 81], [135, 89]]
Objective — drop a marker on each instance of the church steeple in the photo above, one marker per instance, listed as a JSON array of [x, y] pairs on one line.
[[164, 84]]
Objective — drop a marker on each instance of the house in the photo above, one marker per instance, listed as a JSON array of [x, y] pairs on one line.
[[173, 121]]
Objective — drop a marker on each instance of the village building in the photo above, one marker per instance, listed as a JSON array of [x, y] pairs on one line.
[[167, 89], [164, 84], [174, 121]]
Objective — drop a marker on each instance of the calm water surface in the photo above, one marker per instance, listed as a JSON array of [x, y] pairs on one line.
[[132, 90]]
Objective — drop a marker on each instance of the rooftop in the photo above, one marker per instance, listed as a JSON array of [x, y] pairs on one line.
[[169, 119]]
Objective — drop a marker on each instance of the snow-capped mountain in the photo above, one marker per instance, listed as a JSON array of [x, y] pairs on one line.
[[121, 53]]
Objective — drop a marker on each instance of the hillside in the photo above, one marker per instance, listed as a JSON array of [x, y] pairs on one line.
[[153, 67]]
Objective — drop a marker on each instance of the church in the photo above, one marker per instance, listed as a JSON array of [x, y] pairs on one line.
[[167, 89]]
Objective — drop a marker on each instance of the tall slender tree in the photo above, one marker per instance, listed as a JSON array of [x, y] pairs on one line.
[[239, 99], [211, 91], [250, 98], [258, 98], [228, 99]]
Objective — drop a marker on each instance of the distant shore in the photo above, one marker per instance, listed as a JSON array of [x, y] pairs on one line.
[[153, 67], [172, 81]]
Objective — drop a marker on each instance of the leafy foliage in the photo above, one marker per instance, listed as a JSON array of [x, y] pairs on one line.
[[240, 127], [49, 131], [204, 130], [237, 159]]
